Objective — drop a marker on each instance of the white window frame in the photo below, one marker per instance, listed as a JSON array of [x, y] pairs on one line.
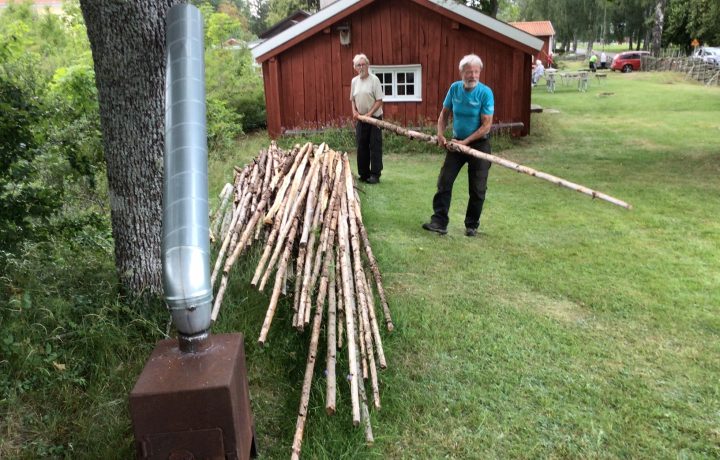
[[415, 69]]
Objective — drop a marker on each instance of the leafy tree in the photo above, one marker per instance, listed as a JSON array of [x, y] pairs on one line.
[[280, 9], [677, 30], [234, 88], [692, 19], [222, 27], [489, 7], [259, 16]]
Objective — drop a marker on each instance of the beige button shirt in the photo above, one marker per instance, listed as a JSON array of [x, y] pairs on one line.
[[365, 92]]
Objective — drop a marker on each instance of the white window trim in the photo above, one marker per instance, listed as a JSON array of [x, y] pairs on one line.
[[394, 69]]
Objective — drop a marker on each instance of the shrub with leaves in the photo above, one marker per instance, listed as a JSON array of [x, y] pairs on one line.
[[26, 197], [74, 126]]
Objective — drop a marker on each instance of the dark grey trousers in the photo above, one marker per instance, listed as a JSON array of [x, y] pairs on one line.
[[477, 184], [369, 149]]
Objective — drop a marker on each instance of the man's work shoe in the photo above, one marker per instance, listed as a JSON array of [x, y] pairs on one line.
[[435, 227], [470, 231], [373, 180]]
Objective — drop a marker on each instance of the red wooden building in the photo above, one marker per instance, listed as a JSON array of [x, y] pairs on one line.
[[543, 30], [414, 46]]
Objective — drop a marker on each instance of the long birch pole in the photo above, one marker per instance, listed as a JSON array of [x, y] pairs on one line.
[[495, 159]]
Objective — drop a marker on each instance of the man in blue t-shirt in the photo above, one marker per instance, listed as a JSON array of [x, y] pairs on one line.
[[472, 106]]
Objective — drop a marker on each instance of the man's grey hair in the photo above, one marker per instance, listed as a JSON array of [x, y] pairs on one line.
[[359, 58], [470, 59]]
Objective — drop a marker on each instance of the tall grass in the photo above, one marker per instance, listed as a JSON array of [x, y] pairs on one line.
[[569, 328]]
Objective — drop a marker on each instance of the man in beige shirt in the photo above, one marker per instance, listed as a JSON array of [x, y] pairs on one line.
[[366, 96]]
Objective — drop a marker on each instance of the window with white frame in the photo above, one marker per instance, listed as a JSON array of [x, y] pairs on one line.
[[400, 82]]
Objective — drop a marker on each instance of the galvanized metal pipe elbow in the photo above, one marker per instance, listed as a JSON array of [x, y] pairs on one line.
[[186, 237]]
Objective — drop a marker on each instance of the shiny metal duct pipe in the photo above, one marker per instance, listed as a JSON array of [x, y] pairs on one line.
[[186, 240]]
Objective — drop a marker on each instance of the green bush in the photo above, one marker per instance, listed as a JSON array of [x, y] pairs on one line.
[[73, 129], [26, 198], [232, 77], [223, 125]]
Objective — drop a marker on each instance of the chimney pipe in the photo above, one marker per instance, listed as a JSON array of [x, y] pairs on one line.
[[186, 240]]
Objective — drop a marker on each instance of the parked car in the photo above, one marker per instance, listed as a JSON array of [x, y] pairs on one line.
[[708, 55], [628, 61]]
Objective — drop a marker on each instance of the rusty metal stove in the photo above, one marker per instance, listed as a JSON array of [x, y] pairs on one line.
[[194, 405]]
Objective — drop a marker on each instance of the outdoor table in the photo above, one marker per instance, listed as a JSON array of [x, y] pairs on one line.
[[580, 76]]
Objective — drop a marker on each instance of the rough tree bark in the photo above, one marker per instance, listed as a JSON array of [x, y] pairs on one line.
[[128, 47]]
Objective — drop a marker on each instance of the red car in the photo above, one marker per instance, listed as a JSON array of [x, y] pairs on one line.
[[628, 61]]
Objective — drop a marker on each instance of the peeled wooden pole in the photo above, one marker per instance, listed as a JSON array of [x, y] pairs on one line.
[[309, 369], [329, 224], [279, 280], [363, 316], [283, 230], [287, 180], [373, 265], [339, 296], [331, 390], [348, 289], [495, 159], [298, 316], [225, 195]]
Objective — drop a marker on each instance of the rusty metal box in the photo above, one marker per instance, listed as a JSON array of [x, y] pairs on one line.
[[194, 405]]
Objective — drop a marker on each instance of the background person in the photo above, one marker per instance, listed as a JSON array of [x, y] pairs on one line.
[[593, 60], [603, 60], [538, 72], [366, 96], [471, 105]]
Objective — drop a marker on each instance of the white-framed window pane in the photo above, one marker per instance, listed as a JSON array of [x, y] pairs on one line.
[[386, 82], [400, 83]]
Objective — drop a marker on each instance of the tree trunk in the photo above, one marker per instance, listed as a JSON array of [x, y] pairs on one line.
[[128, 47], [658, 27]]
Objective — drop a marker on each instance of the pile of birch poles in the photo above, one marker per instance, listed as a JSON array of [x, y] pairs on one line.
[[301, 205], [416, 135]]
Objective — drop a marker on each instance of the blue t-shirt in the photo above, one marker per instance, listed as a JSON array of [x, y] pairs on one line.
[[467, 106]]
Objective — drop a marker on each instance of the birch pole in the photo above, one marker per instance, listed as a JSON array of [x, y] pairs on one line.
[[348, 289], [454, 146], [331, 348]]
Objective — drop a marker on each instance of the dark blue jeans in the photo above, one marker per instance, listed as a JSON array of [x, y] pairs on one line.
[[477, 184], [369, 149]]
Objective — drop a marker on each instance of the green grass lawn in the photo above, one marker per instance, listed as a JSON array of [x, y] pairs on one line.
[[570, 328]]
